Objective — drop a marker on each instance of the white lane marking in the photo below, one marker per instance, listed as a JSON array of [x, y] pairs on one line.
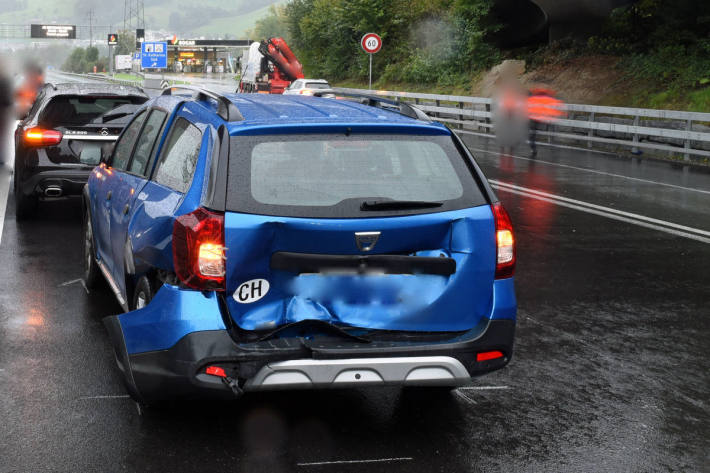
[[465, 398], [610, 215], [647, 181], [73, 281], [5, 180], [115, 396], [483, 388], [602, 208], [348, 462]]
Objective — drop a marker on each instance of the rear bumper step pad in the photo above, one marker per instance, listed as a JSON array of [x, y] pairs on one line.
[[415, 370]]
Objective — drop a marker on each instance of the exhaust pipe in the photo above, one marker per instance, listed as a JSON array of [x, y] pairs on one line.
[[53, 191]]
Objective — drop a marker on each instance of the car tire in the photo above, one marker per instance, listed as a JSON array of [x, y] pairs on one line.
[[25, 205], [92, 272], [142, 294]]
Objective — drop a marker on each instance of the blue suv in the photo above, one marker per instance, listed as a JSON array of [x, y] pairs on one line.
[[274, 242]]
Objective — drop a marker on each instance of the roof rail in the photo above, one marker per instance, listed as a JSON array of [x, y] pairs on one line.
[[225, 108], [402, 108]]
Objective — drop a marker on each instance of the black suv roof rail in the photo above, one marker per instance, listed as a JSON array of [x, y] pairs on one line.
[[226, 109], [402, 108]]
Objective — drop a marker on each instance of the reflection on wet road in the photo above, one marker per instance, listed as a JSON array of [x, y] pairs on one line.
[[610, 372]]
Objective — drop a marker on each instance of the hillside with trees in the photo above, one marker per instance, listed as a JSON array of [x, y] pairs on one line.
[[658, 50]]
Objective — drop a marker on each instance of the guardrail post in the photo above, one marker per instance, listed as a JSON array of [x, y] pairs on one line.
[[591, 130], [438, 104], [686, 145], [634, 148], [488, 119], [460, 106]]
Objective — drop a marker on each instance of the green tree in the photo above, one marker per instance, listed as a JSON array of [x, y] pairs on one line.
[[275, 24], [126, 43], [92, 54], [74, 61]]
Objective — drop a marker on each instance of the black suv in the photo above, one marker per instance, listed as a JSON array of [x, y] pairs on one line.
[[63, 137]]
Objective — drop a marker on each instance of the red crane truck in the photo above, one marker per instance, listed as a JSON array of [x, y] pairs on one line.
[[269, 67]]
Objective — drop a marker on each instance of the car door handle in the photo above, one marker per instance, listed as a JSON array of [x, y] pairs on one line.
[[126, 209], [108, 195]]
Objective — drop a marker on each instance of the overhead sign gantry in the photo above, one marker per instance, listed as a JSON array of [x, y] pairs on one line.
[[53, 31]]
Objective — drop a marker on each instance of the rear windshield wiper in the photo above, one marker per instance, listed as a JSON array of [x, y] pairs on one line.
[[398, 204]]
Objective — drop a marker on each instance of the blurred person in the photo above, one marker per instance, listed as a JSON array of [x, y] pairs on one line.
[[27, 92], [509, 112], [543, 108]]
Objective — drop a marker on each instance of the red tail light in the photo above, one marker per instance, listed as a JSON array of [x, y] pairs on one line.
[[505, 242], [198, 249], [216, 371], [40, 137], [489, 355]]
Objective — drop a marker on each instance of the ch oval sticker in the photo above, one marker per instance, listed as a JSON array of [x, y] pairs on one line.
[[251, 291]]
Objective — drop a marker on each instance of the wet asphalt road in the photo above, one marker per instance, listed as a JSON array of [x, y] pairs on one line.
[[611, 369]]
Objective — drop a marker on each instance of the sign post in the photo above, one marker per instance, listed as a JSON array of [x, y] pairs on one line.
[[112, 41], [371, 43]]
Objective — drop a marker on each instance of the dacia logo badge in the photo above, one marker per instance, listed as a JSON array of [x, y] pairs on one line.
[[366, 241]]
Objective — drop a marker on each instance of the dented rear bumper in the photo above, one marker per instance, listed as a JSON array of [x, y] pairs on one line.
[[179, 371], [164, 349]]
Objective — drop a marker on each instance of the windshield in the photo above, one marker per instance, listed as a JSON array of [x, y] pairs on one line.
[[334, 175]]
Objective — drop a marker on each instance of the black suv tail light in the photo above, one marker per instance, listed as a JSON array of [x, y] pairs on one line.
[[41, 137]]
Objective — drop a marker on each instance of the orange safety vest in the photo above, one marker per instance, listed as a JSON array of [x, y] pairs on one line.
[[544, 108]]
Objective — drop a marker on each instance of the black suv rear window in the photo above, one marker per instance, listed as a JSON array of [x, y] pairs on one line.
[[333, 175], [68, 110]]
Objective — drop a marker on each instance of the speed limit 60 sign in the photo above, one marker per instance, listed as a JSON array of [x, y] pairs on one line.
[[371, 43]]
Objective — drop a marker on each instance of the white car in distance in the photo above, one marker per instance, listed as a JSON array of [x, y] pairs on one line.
[[319, 87]]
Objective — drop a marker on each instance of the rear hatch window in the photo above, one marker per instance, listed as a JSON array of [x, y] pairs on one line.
[[88, 123], [317, 85], [352, 176], [73, 110]]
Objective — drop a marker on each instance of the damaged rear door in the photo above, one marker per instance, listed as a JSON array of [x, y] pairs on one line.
[[377, 231]]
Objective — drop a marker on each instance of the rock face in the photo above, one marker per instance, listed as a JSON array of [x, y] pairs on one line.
[[487, 86], [587, 79]]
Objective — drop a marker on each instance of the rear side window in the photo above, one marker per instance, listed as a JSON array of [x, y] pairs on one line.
[[179, 158], [73, 110], [317, 85], [333, 175], [124, 147], [146, 142]]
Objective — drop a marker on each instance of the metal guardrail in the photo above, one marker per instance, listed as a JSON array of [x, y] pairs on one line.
[[676, 132]]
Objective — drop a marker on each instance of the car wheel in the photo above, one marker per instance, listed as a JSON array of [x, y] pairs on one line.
[[25, 205], [92, 273], [142, 294]]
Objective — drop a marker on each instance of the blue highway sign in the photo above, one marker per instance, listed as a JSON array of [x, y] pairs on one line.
[[154, 55]]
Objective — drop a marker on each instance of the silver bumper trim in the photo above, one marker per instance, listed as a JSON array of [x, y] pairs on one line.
[[309, 373]]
